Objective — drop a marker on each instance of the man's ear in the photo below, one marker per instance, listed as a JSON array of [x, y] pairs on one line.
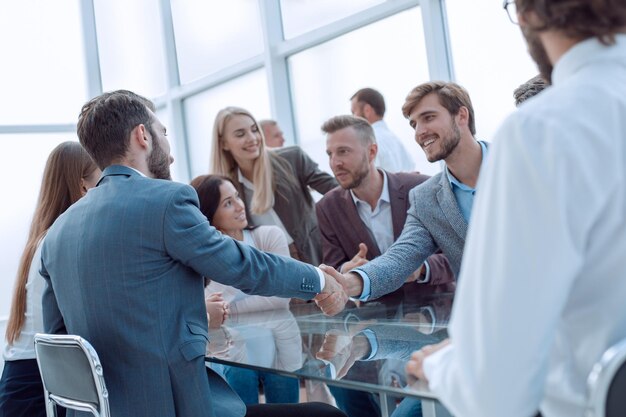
[[462, 117], [83, 187], [372, 152], [139, 137]]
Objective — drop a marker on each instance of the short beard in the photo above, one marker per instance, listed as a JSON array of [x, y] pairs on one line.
[[448, 143], [359, 175], [158, 161], [538, 53]]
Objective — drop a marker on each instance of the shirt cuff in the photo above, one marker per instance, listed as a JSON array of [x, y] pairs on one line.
[[437, 361], [322, 278], [426, 278], [371, 338], [367, 289]]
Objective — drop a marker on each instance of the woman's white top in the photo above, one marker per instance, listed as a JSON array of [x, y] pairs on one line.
[[268, 239], [24, 345]]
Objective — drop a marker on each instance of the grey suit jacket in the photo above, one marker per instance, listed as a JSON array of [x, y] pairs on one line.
[[434, 221], [294, 205], [342, 229], [124, 268]]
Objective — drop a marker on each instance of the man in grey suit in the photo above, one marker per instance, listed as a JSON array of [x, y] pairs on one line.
[[443, 118], [124, 270]]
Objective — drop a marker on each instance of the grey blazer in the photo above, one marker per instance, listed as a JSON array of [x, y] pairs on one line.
[[124, 269], [433, 221]]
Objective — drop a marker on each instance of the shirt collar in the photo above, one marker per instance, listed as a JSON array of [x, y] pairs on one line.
[[584, 52], [454, 182], [244, 181], [384, 195]]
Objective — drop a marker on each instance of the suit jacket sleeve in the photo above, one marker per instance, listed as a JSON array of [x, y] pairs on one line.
[[52, 319], [312, 176], [332, 252], [440, 271], [190, 239], [388, 272]]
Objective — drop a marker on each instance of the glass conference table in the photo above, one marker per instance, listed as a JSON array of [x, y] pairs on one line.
[[364, 348]]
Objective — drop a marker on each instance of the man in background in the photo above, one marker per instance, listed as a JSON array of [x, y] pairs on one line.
[[273, 133], [542, 289], [392, 155]]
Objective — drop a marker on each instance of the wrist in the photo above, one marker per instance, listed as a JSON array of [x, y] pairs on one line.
[[355, 284]]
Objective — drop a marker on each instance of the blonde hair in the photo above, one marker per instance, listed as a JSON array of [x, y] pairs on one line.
[[223, 163], [61, 187]]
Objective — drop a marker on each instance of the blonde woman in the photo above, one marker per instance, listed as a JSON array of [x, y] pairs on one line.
[[274, 185], [68, 174]]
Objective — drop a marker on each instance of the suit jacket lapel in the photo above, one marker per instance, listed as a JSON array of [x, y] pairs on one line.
[[356, 224], [450, 208], [397, 197]]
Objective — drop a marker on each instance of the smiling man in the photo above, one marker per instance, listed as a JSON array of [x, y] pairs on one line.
[[443, 118]]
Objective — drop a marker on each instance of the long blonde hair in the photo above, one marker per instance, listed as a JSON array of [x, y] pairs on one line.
[[61, 187], [223, 163]]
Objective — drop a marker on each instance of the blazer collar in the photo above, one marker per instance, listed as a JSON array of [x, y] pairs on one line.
[[113, 170], [397, 198], [449, 206]]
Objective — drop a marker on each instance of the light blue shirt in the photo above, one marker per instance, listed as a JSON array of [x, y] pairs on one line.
[[464, 194]]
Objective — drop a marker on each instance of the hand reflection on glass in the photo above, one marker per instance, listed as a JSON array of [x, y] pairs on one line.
[[341, 349]]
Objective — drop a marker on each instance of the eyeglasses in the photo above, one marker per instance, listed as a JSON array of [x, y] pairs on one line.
[[511, 10]]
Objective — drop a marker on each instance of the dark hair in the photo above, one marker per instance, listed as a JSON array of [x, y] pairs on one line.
[[364, 130], [61, 187], [371, 97], [106, 121], [451, 96], [208, 189], [529, 89], [583, 19]]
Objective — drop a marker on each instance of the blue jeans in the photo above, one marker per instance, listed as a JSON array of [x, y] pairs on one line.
[[277, 388], [409, 407]]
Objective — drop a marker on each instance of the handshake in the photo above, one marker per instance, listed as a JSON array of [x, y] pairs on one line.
[[338, 288]]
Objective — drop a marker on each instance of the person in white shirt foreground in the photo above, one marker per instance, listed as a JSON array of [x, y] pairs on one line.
[[542, 289]]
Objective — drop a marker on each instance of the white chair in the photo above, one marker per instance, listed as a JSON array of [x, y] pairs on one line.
[[606, 384], [71, 374]]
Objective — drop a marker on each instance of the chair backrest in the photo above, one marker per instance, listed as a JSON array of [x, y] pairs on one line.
[[606, 384], [71, 373]]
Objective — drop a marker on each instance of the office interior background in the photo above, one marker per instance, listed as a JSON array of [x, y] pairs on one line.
[[297, 61]]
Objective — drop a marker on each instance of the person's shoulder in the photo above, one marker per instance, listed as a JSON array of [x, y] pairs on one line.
[[427, 188], [289, 152], [331, 197], [266, 230], [407, 178]]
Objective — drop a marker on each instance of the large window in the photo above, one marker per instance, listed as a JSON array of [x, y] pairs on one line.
[[325, 77], [297, 61]]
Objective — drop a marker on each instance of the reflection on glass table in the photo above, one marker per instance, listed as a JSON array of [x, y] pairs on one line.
[[364, 348]]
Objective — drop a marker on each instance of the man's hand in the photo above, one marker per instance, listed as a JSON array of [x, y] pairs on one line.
[[351, 282], [415, 366], [333, 297], [358, 260], [217, 309], [416, 274]]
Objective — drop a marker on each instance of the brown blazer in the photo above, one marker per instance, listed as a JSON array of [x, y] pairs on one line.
[[342, 229]]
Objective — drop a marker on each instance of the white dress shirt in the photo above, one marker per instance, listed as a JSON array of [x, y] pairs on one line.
[[543, 283], [392, 155], [377, 221]]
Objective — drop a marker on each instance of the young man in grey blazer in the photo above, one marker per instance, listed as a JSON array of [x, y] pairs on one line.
[[125, 271], [443, 118]]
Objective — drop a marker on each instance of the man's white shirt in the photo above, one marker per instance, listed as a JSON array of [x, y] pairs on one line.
[[542, 287], [392, 155]]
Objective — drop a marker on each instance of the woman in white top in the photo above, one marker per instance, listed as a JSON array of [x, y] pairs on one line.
[[221, 204], [68, 174]]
